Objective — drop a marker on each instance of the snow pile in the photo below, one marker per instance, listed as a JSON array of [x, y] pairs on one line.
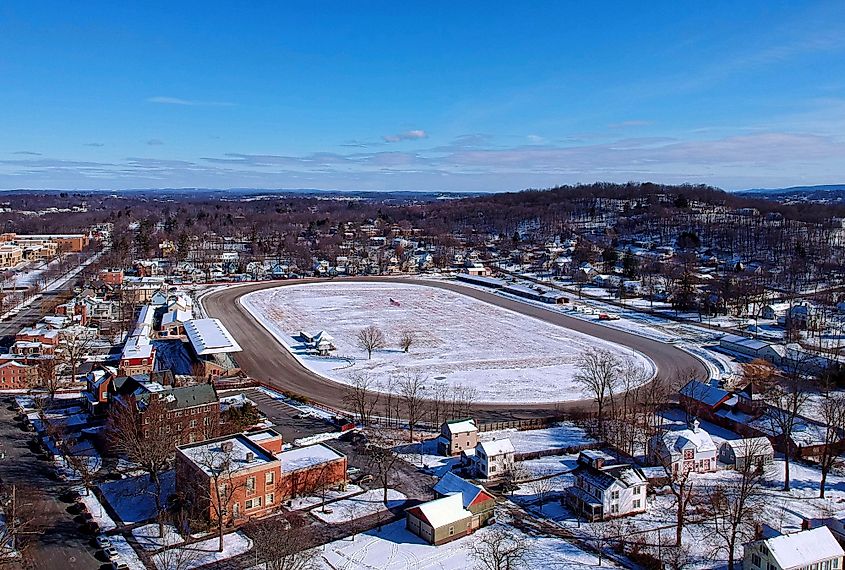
[[503, 355]]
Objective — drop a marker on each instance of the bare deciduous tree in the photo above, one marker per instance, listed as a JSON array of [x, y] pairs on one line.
[[735, 504], [218, 462], [280, 545], [411, 388], [363, 397], [150, 446], [48, 375], [499, 549], [22, 519], [406, 340], [542, 486], [74, 345], [785, 403], [382, 457], [832, 411], [684, 491], [370, 339], [598, 375]]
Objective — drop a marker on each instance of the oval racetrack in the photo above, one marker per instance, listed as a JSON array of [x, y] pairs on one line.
[[264, 359]]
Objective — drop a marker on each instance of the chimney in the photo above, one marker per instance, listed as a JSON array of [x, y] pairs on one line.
[[695, 425], [250, 457], [227, 447]]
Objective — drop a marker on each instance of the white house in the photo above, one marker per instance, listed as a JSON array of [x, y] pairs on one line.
[[816, 549], [603, 490], [684, 450], [493, 458]]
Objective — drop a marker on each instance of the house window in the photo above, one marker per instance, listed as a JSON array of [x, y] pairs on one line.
[[636, 503], [614, 508], [250, 484], [451, 530], [614, 495], [755, 560], [269, 498], [193, 423], [252, 503], [492, 469], [269, 477], [689, 454]]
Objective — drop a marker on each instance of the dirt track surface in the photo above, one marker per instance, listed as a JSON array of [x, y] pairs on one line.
[[265, 360]]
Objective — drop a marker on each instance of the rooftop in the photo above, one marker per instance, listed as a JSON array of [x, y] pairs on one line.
[[211, 458], [800, 549], [209, 336], [443, 511], [304, 457]]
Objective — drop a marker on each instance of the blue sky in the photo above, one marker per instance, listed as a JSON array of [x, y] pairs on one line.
[[478, 96]]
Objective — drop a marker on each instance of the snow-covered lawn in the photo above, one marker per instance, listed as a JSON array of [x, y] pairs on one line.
[[363, 505], [202, 553], [133, 498], [561, 435], [503, 355], [127, 553], [300, 503], [395, 548], [424, 454], [148, 536]]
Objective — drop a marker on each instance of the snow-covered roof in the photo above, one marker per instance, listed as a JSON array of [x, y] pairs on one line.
[[750, 446], [749, 343], [451, 484], [496, 447], [176, 316], [305, 457], [210, 456], [700, 439], [704, 393], [461, 426], [443, 511], [209, 336], [803, 548]]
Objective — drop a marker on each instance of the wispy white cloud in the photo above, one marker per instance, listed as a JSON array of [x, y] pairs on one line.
[[161, 100], [26, 153], [94, 144], [155, 142], [629, 124], [740, 161], [415, 134]]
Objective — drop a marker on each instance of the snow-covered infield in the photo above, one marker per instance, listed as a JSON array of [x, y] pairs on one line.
[[504, 356]]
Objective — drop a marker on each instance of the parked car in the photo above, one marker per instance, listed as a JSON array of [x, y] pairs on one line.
[[119, 565], [111, 552], [102, 541], [608, 317]]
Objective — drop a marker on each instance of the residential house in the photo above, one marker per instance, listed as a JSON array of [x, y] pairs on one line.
[[441, 520], [476, 498], [493, 459], [457, 436], [605, 490], [740, 453], [701, 399], [684, 450], [814, 549]]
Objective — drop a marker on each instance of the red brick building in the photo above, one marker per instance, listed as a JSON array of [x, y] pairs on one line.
[[15, 375], [253, 475]]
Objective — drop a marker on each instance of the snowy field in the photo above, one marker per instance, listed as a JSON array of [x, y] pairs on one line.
[[363, 505], [459, 341], [395, 548]]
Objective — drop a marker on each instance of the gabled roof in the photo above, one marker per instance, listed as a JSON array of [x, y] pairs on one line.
[[451, 484], [461, 426], [704, 393], [209, 336], [800, 549], [496, 447], [624, 474], [751, 445], [441, 512], [677, 440]]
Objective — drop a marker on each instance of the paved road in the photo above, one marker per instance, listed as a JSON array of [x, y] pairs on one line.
[[61, 543], [263, 359]]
